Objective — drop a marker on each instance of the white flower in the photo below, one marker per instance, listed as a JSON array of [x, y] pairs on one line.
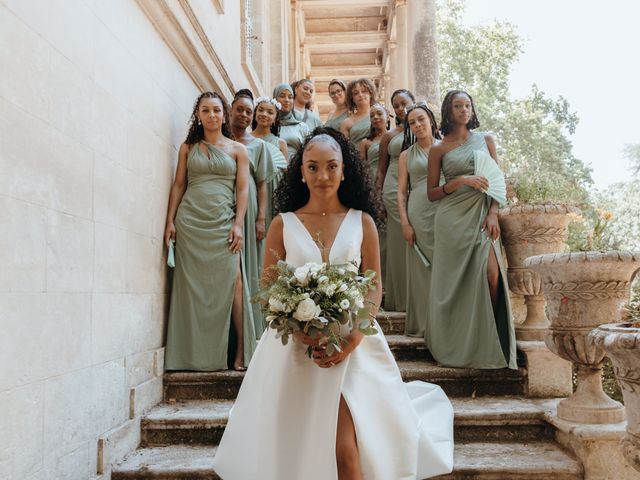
[[307, 310], [341, 271], [343, 287], [302, 275], [270, 318], [323, 279], [314, 267], [276, 305], [330, 289], [344, 304]]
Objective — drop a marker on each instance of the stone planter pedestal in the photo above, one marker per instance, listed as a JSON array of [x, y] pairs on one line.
[[529, 230], [621, 343], [584, 290]]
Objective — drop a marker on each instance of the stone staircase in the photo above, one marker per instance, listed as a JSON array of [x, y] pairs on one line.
[[499, 433]]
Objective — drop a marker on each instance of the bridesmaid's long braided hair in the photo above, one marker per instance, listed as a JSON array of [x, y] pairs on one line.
[[446, 125], [356, 191], [196, 130], [409, 137]]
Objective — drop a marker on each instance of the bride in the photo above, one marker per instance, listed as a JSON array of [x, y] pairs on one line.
[[347, 416]]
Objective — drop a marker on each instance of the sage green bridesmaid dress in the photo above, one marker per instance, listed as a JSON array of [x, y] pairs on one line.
[[462, 330], [336, 122], [360, 130], [279, 165], [205, 272], [373, 154], [261, 168], [395, 283], [294, 134], [421, 213], [311, 118]]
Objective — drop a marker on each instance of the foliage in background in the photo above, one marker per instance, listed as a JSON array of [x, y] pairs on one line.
[[533, 132]]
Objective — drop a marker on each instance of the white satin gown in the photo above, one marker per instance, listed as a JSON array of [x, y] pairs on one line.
[[284, 420]]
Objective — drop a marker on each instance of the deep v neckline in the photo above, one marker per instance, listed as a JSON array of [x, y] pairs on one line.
[[335, 239]]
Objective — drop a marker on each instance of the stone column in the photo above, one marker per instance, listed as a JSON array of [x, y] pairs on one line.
[[391, 73], [402, 47], [278, 43], [424, 74]]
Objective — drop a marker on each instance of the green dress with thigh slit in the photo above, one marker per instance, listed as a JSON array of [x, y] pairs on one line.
[[373, 154], [421, 213], [205, 273], [462, 330], [395, 283]]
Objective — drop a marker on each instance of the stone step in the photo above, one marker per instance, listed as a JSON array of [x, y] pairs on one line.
[[408, 348], [392, 323], [202, 422], [457, 382], [473, 460]]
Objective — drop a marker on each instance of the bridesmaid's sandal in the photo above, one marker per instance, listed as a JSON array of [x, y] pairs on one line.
[[238, 367]]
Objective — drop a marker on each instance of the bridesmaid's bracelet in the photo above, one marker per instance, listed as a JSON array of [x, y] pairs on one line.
[[445, 190]]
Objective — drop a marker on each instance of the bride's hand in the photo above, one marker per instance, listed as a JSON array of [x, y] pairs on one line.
[[306, 339], [326, 361]]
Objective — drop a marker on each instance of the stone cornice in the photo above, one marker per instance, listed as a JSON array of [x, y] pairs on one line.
[[182, 31]]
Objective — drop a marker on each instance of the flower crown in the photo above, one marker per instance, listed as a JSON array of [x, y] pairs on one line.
[[272, 101]]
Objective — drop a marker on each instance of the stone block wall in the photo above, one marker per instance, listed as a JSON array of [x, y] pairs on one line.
[[93, 105]]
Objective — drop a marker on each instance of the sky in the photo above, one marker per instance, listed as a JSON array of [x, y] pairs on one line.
[[586, 52]]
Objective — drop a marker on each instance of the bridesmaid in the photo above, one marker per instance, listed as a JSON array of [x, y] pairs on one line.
[[303, 103], [395, 280], [361, 95], [369, 152], [261, 168], [205, 217], [416, 216], [340, 112], [470, 322], [266, 125], [292, 130]]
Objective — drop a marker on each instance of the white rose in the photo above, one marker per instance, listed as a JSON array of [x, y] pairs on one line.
[[341, 271], [302, 275], [270, 318], [323, 279], [330, 289], [306, 310], [314, 267], [343, 287], [344, 304], [276, 305]]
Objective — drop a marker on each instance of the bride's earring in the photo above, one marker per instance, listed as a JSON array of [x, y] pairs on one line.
[[303, 180]]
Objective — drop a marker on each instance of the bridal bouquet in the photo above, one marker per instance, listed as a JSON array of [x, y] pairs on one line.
[[319, 299]]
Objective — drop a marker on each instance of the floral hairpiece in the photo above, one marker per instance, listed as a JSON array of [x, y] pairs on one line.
[[272, 101]]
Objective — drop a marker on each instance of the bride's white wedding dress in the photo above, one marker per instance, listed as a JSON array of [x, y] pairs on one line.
[[283, 423]]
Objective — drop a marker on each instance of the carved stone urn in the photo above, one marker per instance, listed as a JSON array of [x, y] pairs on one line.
[[584, 290], [621, 343], [529, 230]]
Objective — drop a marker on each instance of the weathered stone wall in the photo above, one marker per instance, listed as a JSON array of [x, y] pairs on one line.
[[93, 105]]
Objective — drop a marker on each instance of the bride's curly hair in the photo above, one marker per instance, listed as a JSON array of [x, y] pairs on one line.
[[356, 190]]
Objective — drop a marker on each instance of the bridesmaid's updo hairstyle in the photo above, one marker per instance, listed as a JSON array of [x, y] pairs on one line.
[[196, 130], [409, 138], [243, 93], [362, 82], [446, 126], [296, 84], [401, 91], [355, 191], [338, 82], [372, 131]]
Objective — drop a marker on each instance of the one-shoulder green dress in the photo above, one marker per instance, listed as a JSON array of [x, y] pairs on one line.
[[373, 155], [294, 134], [261, 168], [336, 122], [360, 130], [462, 330], [395, 283], [421, 213], [205, 272]]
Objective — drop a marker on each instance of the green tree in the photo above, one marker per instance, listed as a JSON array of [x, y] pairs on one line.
[[533, 132]]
